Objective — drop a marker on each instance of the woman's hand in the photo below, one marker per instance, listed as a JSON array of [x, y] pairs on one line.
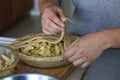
[[51, 20], [86, 49]]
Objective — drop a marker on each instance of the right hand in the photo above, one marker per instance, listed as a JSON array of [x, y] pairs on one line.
[[51, 20]]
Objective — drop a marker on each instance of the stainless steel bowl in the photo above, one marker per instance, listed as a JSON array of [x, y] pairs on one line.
[[30, 76]]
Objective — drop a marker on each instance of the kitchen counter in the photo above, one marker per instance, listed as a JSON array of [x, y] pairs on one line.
[[76, 74]]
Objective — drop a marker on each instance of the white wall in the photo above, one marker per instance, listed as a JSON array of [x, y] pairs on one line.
[[35, 11]]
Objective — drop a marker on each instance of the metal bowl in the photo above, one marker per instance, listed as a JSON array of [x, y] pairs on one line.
[[7, 51], [30, 76]]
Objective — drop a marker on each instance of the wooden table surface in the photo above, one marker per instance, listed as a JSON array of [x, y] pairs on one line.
[[60, 72]]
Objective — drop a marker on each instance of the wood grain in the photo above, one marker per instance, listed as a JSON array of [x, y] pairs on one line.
[[60, 72]]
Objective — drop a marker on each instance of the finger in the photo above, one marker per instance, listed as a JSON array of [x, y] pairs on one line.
[[56, 20], [54, 27], [60, 12], [70, 52], [85, 64], [46, 29], [61, 15], [47, 32], [66, 55], [79, 61], [76, 56], [50, 30]]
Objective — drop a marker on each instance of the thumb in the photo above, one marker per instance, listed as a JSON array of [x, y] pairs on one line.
[[62, 16], [60, 13]]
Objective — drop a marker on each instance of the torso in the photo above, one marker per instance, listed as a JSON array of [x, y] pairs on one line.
[[95, 15]]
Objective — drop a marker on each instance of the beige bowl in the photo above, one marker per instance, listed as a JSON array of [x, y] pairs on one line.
[[46, 62]]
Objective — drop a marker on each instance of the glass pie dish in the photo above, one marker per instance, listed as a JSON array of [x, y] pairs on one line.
[[8, 60]]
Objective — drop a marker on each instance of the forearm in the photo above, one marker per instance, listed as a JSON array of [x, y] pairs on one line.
[[112, 37], [46, 3]]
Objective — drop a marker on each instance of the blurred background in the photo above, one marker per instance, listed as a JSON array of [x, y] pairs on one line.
[[22, 17]]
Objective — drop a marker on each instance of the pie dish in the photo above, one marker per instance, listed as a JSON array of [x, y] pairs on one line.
[[44, 51]]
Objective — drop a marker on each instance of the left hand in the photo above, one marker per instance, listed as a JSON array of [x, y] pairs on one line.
[[86, 49]]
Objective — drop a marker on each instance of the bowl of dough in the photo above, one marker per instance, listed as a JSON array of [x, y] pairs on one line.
[[8, 60], [44, 51]]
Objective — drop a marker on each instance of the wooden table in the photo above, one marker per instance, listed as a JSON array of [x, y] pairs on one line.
[[60, 72]]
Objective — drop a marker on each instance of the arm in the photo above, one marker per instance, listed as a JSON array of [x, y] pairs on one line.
[[113, 36], [46, 3], [51, 17], [89, 47]]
